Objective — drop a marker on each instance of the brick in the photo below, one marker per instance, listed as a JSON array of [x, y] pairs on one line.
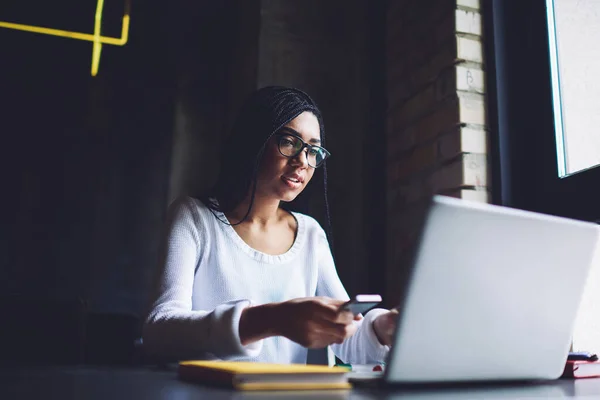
[[449, 145], [399, 242], [431, 96], [463, 140], [399, 92], [415, 107], [399, 141], [421, 46], [447, 177], [424, 130], [415, 161], [405, 220], [444, 118], [420, 16], [453, 193], [475, 169], [472, 108], [468, 3], [405, 194], [473, 140], [470, 79], [481, 196], [402, 84], [445, 29], [469, 170], [444, 57], [468, 22], [469, 49], [445, 84]]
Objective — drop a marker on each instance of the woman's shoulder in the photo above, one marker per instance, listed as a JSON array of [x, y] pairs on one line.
[[311, 225], [189, 207]]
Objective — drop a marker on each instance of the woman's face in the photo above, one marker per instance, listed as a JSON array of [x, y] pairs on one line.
[[285, 178]]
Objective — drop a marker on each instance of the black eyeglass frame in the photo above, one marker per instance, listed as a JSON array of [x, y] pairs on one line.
[[301, 149]]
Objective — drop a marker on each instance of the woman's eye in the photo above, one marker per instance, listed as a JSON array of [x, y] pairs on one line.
[[313, 152], [287, 142]]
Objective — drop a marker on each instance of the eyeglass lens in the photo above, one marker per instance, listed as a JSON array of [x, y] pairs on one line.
[[291, 146]]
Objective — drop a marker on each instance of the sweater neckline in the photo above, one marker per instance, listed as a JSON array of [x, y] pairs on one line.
[[259, 255]]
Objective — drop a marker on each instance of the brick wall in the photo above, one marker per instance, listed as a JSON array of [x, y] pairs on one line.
[[436, 123]]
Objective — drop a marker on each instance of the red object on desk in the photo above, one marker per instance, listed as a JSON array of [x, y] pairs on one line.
[[581, 369]]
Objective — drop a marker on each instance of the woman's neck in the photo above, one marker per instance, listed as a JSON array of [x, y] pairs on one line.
[[264, 211]]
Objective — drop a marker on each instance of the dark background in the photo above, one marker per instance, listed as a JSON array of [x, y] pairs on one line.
[[91, 164]]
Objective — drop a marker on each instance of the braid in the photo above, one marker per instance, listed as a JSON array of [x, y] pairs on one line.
[[327, 215], [265, 112]]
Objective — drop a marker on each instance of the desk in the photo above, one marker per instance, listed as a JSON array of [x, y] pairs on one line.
[[95, 383]]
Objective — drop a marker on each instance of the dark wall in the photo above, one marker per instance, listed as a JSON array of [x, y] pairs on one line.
[[89, 160], [92, 163], [216, 47], [333, 50], [95, 161]]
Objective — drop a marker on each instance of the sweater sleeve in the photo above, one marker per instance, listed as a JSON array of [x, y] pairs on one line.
[[172, 329], [363, 347]]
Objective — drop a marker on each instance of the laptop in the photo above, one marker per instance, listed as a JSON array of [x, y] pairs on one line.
[[492, 295]]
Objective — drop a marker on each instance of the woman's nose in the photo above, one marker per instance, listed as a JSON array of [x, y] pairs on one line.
[[301, 158]]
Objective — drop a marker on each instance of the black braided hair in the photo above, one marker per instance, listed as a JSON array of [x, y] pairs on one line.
[[264, 113]]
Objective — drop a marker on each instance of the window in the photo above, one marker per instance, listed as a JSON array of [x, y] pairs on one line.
[[544, 106], [574, 32]]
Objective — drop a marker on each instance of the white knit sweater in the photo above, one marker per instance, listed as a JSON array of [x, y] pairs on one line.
[[209, 275]]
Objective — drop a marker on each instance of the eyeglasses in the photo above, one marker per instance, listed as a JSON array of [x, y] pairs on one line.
[[291, 145]]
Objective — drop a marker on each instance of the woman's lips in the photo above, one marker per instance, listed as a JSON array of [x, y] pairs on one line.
[[291, 182]]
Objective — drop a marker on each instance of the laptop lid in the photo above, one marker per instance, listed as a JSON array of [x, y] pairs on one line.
[[492, 295]]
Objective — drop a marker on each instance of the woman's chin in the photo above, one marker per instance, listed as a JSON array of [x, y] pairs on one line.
[[288, 196]]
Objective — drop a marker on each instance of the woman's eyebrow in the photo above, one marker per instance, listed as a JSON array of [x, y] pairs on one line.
[[296, 133]]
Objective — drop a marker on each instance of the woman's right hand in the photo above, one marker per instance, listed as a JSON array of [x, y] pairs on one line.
[[314, 322]]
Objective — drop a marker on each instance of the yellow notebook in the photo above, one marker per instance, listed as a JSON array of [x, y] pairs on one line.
[[264, 376]]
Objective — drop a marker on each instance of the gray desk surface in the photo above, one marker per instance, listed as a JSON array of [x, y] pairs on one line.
[[91, 383]]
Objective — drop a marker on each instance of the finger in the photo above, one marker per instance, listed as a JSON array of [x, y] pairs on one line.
[[335, 303], [358, 317], [326, 310], [344, 317], [331, 300], [327, 337], [350, 331], [333, 339], [332, 328], [388, 329], [345, 331], [326, 313]]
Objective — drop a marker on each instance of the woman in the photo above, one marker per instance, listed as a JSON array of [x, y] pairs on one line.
[[241, 277]]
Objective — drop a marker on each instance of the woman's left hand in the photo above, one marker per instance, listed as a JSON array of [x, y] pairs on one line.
[[385, 326]]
